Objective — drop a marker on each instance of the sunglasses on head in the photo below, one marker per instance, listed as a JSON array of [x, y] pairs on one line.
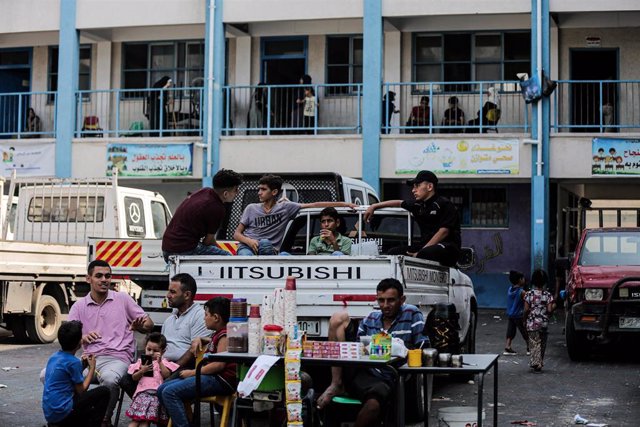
[[101, 275]]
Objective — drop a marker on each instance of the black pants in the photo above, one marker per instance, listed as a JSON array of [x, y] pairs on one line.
[[517, 323], [444, 253], [88, 409]]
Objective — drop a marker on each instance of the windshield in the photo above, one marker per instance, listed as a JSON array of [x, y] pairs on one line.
[[386, 230], [612, 248]]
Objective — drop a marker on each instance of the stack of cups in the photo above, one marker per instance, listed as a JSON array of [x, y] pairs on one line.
[[238, 327], [254, 329], [238, 308], [290, 306]]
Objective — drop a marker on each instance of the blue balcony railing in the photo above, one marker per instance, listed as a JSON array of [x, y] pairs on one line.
[[280, 109], [27, 115], [596, 106], [426, 107], [139, 112]]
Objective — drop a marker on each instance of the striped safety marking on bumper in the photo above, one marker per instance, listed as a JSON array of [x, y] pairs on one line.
[[120, 253]]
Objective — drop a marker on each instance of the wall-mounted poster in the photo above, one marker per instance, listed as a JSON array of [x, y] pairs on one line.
[[28, 159], [615, 156], [150, 159], [450, 156]]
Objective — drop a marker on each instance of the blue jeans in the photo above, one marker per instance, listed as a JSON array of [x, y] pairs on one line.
[[201, 249], [265, 247], [172, 394]]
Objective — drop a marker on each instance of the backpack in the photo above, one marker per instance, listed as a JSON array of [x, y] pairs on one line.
[[493, 115]]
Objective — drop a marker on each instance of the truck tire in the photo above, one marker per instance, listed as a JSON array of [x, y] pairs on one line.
[[43, 326], [18, 326], [576, 342], [414, 398], [469, 345]]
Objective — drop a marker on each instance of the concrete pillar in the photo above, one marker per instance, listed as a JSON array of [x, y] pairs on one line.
[[68, 63], [243, 96], [372, 92]]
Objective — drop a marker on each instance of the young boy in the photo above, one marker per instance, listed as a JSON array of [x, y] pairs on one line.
[[261, 228], [218, 378], [515, 311], [538, 305], [65, 400], [329, 242]]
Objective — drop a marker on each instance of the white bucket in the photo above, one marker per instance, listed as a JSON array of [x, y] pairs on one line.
[[459, 416]]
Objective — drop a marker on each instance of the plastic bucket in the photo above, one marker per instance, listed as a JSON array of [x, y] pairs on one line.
[[459, 416]]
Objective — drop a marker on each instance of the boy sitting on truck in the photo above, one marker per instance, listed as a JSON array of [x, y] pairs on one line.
[[329, 242], [261, 228], [372, 386]]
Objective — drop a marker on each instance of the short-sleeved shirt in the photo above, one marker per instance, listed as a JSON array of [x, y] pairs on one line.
[[111, 320], [198, 215], [181, 330], [151, 383], [538, 317], [319, 246], [261, 225], [435, 213], [408, 326], [63, 372]]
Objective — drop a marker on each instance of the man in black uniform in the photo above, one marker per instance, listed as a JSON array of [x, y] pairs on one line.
[[437, 218]]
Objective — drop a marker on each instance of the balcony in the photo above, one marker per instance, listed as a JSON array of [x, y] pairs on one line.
[[27, 115]]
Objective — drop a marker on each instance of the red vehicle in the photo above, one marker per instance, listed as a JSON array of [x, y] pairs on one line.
[[603, 289]]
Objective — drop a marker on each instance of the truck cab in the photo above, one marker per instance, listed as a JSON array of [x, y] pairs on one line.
[[603, 289]]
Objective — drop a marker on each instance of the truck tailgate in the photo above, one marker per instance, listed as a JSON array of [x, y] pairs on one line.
[[130, 257], [33, 259]]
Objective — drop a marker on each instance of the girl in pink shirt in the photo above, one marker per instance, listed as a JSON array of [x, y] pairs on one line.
[[145, 407]]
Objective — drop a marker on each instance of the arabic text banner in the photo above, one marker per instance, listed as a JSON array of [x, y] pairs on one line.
[[150, 159], [615, 156], [450, 156], [28, 159]]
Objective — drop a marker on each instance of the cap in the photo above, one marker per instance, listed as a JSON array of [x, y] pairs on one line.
[[424, 176]]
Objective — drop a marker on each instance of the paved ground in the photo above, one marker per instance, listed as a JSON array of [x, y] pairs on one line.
[[604, 389]]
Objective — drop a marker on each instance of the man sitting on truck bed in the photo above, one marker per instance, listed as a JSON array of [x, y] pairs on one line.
[[192, 230], [329, 242], [108, 321], [261, 228], [437, 218], [373, 386]]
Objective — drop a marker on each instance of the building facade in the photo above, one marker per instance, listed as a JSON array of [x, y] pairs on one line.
[[395, 86]]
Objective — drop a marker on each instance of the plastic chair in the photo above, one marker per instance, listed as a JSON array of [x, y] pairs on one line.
[[91, 126], [226, 402]]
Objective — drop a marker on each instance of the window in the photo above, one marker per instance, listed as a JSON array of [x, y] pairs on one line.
[[84, 70], [479, 207], [470, 57], [160, 217], [66, 209], [146, 63], [344, 62], [134, 211]]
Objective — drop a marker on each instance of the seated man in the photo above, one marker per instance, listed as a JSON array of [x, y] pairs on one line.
[[329, 242], [453, 116], [261, 228], [372, 386], [192, 230], [437, 218]]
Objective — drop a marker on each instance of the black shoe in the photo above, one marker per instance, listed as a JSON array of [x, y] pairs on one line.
[[509, 352]]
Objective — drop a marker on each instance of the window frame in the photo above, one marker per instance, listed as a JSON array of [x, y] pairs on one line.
[[173, 72], [467, 212], [473, 62], [86, 97], [351, 65]]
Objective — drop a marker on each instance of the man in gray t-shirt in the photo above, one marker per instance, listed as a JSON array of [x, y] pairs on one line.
[[261, 228]]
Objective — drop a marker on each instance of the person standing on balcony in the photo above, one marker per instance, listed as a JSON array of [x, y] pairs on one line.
[[297, 117], [157, 105], [258, 111], [309, 110], [388, 108]]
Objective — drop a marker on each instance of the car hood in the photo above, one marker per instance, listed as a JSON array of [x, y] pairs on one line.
[[599, 276]]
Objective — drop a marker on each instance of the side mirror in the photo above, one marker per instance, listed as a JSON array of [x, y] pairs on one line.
[[466, 259]]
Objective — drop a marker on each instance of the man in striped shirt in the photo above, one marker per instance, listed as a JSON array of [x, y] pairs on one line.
[[372, 386]]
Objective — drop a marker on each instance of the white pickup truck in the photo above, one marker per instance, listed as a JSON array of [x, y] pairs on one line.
[[43, 255]]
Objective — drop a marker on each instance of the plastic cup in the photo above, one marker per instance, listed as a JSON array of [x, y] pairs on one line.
[[415, 358], [290, 284]]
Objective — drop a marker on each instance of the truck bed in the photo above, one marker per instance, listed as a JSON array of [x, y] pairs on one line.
[[42, 259]]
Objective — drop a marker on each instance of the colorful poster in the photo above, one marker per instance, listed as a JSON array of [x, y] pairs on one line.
[[150, 159], [28, 159], [450, 156], [615, 156]]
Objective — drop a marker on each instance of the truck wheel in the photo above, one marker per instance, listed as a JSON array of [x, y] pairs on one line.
[[576, 342], [469, 346], [414, 398], [17, 325], [43, 327]]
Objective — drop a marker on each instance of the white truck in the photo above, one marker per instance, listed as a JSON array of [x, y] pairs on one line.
[[43, 255]]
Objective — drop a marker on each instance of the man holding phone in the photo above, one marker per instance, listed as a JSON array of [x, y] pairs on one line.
[[109, 319]]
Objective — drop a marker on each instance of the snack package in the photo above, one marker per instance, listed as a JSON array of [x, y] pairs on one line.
[[293, 390], [294, 412], [292, 355], [292, 370], [380, 348]]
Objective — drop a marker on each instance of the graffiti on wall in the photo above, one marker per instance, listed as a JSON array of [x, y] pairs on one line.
[[490, 251]]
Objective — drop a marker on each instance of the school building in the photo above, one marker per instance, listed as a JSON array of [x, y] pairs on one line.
[[84, 87]]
